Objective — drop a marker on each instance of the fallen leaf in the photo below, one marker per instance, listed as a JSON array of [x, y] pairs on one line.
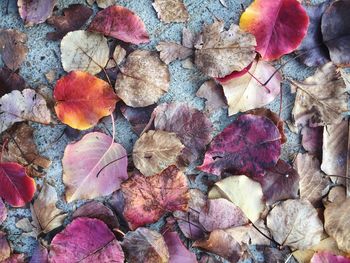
[[219, 52], [155, 151], [321, 99], [148, 198], [335, 151], [243, 192], [10, 81], [40, 254], [170, 51], [94, 166], [85, 240], [222, 244], [35, 11], [295, 223], [73, 18], [273, 25], [138, 117], [46, 216], [213, 95], [220, 214], [23, 106], [312, 50], [326, 257], [98, 210], [336, 194], [13, 48], [313, 185], [102, 3], [336, 222], [185, 122], [78, 52], [28, 228], [178, 253], [5, 250], [279, 183], [335, 31], [249, 145], [3, 212], [143, 79], [82, 100], [170, 11], [15, 258], [16, 187], [311, 139], [272, 254], [120, 23]]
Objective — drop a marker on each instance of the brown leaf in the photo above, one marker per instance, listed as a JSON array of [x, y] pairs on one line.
[[102, 3], [220, 52], [171, 10], [320, 99], [5, 250], [144, 245], [213, 95], [156, 150], [138, 117], [13, 47], [336, 194], [170, 51], [143, 79], [10, 81], [313, 185]]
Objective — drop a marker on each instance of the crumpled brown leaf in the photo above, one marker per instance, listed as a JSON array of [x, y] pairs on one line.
[[155, 151], [13, 47], [10, 81], [171, 10], [143, 79], [320, 99], [219, 52]]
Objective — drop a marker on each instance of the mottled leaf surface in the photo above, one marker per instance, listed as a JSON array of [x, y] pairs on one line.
[[35, 11]]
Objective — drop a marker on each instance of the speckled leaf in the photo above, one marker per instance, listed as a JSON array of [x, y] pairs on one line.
[[273, 24], [138, 117], [220, 214], [10, 81], [336, 32], [295, 223], [321, 99], [78, 52], [313, 184], [177, 251], [185, 122], [82, 100], [326, 257], [3, 212], [171, 10], [35, 11], [143, 79], [219, 52], [23, 106], [155, 151], [85, 240], [16, 187], [94, 166], [148, 198], [213, 95], [120, 23], [73, 18], [13, 47], [5, 250], [250, 145]]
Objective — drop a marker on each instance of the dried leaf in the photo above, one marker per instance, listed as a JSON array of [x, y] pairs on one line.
[[311, 139], [10, 81], [29, 230], [102, 3], [155, 151], [213, 95], [35, 11], [40, 254], [5, 250], [148, 198], [78, 52], [3, 212], [94, 166], [15, 258], [171, 11], [13, 48], [295, 223], [143, 79], [85, 240], [272, 254], [138, 117], [170, 51], [177, 251], [219, 52], [326, 257], [73, 18]]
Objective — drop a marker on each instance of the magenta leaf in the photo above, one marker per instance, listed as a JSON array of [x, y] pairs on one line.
[[327, 257], [177, 251]]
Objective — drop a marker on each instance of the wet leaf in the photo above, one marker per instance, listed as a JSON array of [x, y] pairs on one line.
[[35, 11], [295, 223], [13, 48], [155, 151], [213, 95], [5, 250], [82, 100], [78, 52], [243, 192], [16, 187], [247, 92], [219, 52], [120, 23], [177, 251], [249, 145], [73, 18], [143, 79], [273, 25], [3, 212], [10, 81], [326, 257], [148, 198], [138, 117], [88, 240], [321, 99], [171, 11], [94, 166]]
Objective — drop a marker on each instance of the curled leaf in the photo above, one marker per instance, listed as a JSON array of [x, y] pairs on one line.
[[35, 11]]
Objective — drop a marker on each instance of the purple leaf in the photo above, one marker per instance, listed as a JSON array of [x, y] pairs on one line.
[[35, 11], [177, 251]]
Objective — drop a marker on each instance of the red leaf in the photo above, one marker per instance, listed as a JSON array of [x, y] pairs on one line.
[[120, 23], [16, 187]]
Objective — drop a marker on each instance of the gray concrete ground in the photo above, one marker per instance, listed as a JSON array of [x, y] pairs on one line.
[[44, 56]]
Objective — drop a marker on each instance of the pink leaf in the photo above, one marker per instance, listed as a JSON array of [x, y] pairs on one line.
[[326, 257], [177, 251]]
